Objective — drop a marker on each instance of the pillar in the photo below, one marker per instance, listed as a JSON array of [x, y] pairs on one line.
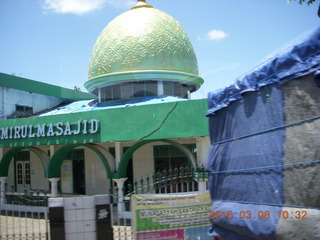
[[203, 145], [202, 185], [54, 186], [3, 181], [118, 153], [120, 184]]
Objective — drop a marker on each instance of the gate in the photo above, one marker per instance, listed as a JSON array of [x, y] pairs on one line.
[[24, 216], [177, 180]]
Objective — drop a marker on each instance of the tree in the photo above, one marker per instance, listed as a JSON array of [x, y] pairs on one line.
[[304, 1]]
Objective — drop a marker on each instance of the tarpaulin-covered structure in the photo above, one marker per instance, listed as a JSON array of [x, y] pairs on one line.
[[264, 160]]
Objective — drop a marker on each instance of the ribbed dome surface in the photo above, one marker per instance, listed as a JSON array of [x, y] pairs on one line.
[[142, 43]]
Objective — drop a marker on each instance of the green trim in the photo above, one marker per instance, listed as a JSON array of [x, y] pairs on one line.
[[32, 86], [54, 167], [182, 119], [143, 75], [9, 155], [122, 168]]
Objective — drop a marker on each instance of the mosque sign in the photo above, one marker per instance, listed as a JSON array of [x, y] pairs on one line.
[[50, 129]]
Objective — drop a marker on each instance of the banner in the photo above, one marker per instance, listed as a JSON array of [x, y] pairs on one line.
[[177, 216]]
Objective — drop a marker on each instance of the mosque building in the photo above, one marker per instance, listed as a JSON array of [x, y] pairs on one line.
[[142, 70]]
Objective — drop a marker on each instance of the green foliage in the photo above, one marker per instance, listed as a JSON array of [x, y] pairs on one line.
[[304, 1]]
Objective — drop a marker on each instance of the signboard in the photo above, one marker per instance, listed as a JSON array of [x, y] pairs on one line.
[[67, 176], [50, 129], [177, 216]]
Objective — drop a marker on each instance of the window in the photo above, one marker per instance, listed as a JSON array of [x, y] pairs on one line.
[[76, 154], [168, 89], [24, 109], [27, 173], [151, 88], [168, 156], [139, 89], [22, 171], [19, 173], [126, 90]]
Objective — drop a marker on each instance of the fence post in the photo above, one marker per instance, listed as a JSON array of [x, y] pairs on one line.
[[120, 185], [3, 181], [202, 179]]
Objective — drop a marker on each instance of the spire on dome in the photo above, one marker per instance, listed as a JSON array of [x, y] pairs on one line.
[[140, 4]]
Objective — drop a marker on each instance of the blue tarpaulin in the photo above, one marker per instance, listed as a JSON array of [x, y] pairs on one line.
[[93, 105], [298, 58], [247, 155]]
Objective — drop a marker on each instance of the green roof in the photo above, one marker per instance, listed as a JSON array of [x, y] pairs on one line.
[[181, 119], [28, 85]]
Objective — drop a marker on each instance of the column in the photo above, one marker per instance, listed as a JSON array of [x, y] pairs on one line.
[[202, 185], [118, 153], [120, 184], [203, 145], [54, 186], [160, 88], [3, 181]]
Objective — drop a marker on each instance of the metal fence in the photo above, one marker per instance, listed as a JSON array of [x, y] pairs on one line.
[[24, 216], [21, 224], [173, 180], [37, 198], [177, 180]]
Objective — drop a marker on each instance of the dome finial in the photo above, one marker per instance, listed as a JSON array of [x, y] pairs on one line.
[[141, 3]]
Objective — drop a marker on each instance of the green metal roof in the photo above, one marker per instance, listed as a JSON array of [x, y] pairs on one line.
[[28, 85], [181, 119]]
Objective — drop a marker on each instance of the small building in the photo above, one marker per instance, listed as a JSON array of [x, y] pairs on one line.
[[142, 71], [21, 97]]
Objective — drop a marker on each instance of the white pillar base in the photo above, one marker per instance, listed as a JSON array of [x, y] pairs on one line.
[[120, 184], [54, 186]]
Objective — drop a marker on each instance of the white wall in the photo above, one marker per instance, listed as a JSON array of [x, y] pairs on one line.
[[38, 179], [143, 162], [96, 179], [10, 180], [9, 98]]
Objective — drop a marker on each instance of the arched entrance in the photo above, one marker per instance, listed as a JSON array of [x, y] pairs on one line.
[[75, 166], [22, 166], [9, 155], [122, 168]]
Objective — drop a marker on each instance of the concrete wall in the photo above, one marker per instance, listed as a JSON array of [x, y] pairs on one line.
[[38, 178], [9, 98], [96, 180], [11, 175], [143, 162]]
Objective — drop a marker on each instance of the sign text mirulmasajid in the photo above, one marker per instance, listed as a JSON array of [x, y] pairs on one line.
[[50, 129]]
